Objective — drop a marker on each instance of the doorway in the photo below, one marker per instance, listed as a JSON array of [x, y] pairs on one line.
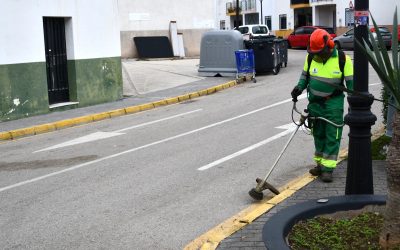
[[56, 59]]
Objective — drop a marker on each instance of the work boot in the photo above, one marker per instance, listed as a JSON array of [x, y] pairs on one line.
[[316, 171], [326, 176]]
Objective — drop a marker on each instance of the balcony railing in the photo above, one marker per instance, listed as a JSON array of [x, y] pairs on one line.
[[245, 6], [231, 8], [317, 1], [249, 6], [293, 2]]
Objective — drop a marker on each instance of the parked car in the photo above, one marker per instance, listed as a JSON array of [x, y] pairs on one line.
[[386, 30], [300, 36], [346, 40], [398, 33], [254, 31]]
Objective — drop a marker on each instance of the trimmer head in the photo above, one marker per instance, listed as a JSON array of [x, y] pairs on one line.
[[268, 186], [257, 194]]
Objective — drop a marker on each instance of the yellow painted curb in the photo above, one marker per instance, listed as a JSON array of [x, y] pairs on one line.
[[219, 88], [117, 112], [203, 92], [22, 132], [211, 239], [172, 100], [100, 116], [64, 124], [5, 136], [146, 106], [160, 103], [194, 95], [182, 98], [44, 128], [132, 110], [211, 90], [82, 120]]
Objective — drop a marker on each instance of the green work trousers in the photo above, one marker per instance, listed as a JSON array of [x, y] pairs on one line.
[[326, 136]]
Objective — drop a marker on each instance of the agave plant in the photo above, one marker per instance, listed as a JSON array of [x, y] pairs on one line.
[[389, 73]]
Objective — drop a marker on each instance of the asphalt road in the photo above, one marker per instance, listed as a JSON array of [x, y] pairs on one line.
[[156, 179]]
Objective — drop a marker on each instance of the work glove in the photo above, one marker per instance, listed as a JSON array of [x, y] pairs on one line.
[[295, 93]]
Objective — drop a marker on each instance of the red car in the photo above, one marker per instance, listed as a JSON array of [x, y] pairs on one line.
[[299, 38], [398, 33]]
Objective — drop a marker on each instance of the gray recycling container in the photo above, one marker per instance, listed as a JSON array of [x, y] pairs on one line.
[[217, 52]]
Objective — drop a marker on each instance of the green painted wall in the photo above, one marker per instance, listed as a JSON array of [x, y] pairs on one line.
[[23, 90], [94, 81], [23, 87]]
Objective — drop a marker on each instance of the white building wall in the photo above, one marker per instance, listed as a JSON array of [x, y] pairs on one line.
[[92, 29], [157, 14], [269, 9], [221, 14], [283, 7], [152, 18]]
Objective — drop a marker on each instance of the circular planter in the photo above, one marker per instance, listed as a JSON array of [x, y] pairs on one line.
[[278, 226]]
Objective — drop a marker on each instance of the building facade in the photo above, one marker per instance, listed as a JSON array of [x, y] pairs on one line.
[[58, 54], [284, 16], [152, 18]]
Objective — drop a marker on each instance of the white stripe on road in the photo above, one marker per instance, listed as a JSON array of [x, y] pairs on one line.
[[143, 147], [373, 84], [289, 129], [160, 120], [104, 135]]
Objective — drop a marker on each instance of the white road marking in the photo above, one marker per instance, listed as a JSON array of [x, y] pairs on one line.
[[87, 138], [156, 121], [143, 147], [373, 84], [104, 135], [289, 129]]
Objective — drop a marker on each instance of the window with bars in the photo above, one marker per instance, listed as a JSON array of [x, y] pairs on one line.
[[282, 22], [268, 22], [222, 25]]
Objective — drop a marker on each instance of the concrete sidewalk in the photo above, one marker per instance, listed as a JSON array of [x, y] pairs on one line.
[[147, 84]]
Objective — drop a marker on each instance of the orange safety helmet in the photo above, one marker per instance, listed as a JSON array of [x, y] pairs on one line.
[[320, 40]]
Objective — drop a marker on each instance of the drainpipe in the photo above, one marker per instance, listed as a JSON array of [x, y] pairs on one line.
[[261, 12]]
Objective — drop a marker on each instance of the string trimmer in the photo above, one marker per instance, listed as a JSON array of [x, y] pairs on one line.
[[262, 184]]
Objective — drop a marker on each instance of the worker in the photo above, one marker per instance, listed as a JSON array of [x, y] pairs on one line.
[[325, 68]]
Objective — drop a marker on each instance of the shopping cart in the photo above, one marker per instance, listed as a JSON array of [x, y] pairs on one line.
[[245, 64]]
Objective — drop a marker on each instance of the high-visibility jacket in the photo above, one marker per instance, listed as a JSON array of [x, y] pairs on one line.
[[328, 72], [326, 101]]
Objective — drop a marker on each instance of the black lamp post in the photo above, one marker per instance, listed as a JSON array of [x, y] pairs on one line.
[[237, 14], [360, 119], [261, 12]]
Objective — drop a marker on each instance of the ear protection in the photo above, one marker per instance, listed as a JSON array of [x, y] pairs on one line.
[[328, 45], [329, 42]]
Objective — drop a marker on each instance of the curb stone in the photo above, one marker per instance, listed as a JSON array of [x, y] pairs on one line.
[[49, 127]]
